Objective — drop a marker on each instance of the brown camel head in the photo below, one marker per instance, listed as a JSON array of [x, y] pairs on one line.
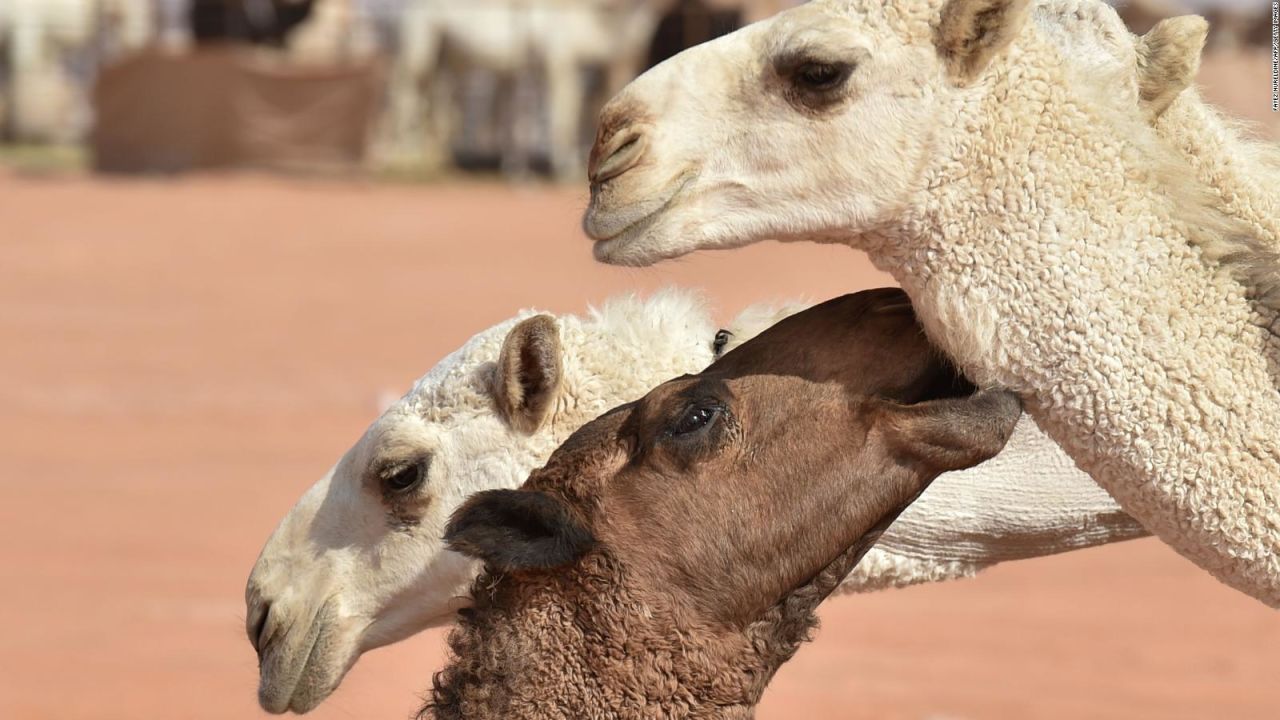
[[669, 557]]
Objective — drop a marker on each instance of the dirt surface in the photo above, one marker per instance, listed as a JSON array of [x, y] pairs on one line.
[[179, 360]]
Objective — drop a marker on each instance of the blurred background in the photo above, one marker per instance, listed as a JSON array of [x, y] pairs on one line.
[[230, 230]]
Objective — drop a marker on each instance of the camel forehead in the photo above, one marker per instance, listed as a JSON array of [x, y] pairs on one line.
[[813, 17], [607, 440], [1090, 33], [814, 29], [455, 391], [592, 454], [910, 21], [397, 436], [460, 385], [833, 27]]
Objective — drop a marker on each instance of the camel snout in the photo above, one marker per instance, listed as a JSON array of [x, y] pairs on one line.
[[615, 153]]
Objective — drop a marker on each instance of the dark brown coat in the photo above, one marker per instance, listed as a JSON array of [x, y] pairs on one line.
[[668, 558]]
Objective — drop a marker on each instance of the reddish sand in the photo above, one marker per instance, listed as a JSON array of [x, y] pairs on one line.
[[179, 360]]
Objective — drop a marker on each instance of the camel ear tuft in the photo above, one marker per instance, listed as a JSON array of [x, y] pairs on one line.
[[529, 373], [1168, 60], [972, 32], [518, 530]]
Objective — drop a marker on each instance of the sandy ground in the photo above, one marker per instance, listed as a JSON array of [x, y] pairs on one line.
[[179, 360]]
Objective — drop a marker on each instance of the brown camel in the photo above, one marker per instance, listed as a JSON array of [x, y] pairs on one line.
[[668, 558]]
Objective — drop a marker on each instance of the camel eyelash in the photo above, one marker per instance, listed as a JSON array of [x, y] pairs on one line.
[[695, 417], [787, 63], [394, 478]]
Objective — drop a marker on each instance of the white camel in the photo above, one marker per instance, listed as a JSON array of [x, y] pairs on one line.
[[51, 49], [1121, 278], [360, 562], [335, 32], [548, 41]]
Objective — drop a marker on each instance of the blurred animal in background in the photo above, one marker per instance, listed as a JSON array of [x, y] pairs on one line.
[[265, 22], [337, 31], [546, 43], [511, 83], [51, 51], [311, 31], [6, 72], [524, 79], [359, 562]]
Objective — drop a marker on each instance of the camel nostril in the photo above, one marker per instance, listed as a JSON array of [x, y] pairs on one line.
[[257, 626], [620, 154]]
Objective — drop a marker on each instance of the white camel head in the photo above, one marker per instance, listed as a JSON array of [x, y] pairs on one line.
[[821, 122], [721, 145], [359, 562]]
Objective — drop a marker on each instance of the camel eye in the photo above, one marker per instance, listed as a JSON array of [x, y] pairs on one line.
[[820, 77], [405, 478], [695, 419]]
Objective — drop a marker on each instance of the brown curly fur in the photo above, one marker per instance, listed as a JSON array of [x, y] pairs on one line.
[[668, 604], [616, 648], [552, 647]]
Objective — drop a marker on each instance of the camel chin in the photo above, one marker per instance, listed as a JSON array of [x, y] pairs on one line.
[[629, 229], [638, 245], [302, 671], [628, 214]]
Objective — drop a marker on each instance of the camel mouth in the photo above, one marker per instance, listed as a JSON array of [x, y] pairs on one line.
[[277, 687], [613, 227], [327, 654], [604, 226], [297, 677], [608, 249], [628, 251]]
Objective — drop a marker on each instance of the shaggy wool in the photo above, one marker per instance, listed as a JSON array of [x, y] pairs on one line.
[[1065, 250], [1068, 223]]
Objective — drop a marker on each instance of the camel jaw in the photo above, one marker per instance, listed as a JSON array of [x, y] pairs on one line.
[[635, 233]]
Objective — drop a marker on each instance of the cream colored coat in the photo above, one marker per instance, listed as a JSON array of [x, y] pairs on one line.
[[1121, 277]]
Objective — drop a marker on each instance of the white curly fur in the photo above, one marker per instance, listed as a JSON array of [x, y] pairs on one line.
[[1120, 276]]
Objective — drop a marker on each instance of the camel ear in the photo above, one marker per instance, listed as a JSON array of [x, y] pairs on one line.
[[1168, 60], [972, 32], [951, 433], [517, 530], [528, 377]]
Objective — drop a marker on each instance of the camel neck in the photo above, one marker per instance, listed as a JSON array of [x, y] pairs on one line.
[[1065, 251], [1083, 211], [1241, 173], [589, 645]]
